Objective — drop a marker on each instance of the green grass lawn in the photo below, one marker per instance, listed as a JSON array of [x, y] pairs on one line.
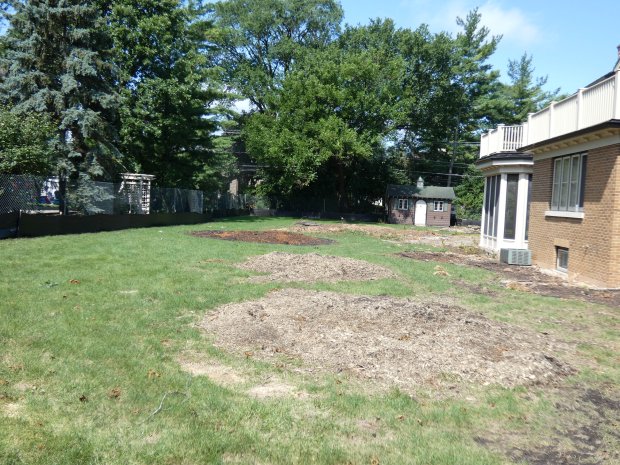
[[92, 327]]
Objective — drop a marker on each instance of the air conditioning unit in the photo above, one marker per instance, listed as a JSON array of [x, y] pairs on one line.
[[515, 256]]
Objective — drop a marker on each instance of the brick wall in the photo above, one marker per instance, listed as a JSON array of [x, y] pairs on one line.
[[594, 241], [434, 218], [401, 216]]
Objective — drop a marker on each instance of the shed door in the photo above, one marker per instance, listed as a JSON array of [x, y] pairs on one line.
[[420, 213]]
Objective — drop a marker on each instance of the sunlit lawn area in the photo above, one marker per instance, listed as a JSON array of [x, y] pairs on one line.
[[92, 328]]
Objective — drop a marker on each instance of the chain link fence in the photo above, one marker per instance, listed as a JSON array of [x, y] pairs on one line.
[[27, 193], [37, 194], [226, 201]]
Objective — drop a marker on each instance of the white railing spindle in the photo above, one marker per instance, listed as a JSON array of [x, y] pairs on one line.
[[588, 107]]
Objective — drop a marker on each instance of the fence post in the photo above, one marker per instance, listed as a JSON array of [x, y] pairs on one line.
[[19, 222]]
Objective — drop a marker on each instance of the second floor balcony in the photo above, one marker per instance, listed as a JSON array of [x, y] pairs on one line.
[[590, 106]]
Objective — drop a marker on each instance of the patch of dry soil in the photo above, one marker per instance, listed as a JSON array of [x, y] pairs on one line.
[[454, 236], [198, 364], [584, 431], [264, 237], [522, 278], [312, 267], [215, 371], [11, 409], [391, 341], [276, 389]]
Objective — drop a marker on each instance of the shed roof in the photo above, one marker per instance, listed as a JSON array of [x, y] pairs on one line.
[[426, 192]]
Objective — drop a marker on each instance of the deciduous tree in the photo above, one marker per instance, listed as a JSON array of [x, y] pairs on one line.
[[170, 92], [259, 41], [26, 143], [334, 110]]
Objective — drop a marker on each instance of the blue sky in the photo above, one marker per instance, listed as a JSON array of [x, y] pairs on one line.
[[572, 42]]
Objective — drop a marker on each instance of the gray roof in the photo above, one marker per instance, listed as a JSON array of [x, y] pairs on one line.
[[505, 156], [426, 192]]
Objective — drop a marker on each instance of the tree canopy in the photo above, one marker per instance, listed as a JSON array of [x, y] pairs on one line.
[[524, 94], [334, 110], [26, 143], [259, 41], [169, 91]]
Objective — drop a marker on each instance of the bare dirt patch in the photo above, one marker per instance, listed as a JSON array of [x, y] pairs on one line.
[[522, 278], [276, 389], [387, 340], [457, 236], [23, 386], [202, 365], [11, 409], [264, 237], [584, 431], [215, 371], [312, 267]]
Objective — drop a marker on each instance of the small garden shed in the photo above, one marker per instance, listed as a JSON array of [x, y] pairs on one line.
[[419, 205]]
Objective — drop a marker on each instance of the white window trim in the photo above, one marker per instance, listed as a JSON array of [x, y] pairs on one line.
[[557, 264], [565, 214], [402, 201], [443, 206], [557, 173]]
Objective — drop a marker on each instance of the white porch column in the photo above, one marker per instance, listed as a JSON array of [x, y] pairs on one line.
[[483, 217], [521, 211], [501, 211]]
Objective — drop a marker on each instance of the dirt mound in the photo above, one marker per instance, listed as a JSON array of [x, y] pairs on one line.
[[264, 237], [391, 341], [312, 267]]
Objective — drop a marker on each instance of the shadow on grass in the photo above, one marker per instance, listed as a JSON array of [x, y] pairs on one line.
[[250, 219]]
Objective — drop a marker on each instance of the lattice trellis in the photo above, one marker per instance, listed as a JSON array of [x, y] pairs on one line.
[[136, 189]]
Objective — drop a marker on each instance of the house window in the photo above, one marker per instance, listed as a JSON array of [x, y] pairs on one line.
[[403, 204], [569, 174], [510, 211], [491, 205], [561, 259], [438, 206]]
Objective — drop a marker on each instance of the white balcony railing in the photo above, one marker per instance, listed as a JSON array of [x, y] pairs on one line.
[[586, 108]]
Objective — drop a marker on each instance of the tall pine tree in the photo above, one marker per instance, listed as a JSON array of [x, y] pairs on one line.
[[525, 93], [56, 63]]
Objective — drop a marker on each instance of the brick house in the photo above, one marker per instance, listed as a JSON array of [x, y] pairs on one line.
[[419, 205], [563, 168]]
